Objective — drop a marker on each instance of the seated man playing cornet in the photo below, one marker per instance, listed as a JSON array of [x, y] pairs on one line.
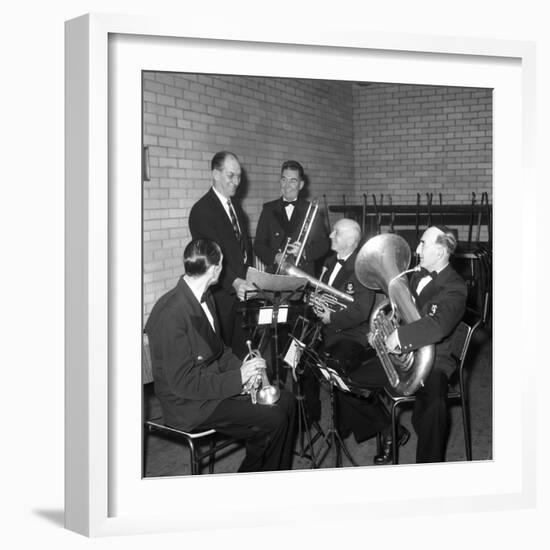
[[200, 382]]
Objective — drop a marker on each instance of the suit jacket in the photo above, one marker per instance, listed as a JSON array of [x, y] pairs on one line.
[[442, 304], [209, 220], [351, 323], [192, 369], [274, 228]]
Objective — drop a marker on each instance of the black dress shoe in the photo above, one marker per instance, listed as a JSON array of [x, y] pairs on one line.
[[386, 456]]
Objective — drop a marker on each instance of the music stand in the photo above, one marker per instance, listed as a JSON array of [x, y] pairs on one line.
[[276, 290], [293, 359], [332, 437]]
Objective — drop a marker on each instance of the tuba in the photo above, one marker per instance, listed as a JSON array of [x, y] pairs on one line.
[[381, 264]]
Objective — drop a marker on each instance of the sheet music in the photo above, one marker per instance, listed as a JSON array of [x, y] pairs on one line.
[[268, 281]]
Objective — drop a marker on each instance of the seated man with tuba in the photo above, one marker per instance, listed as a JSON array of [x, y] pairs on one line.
[[439, 295], [345, 334], [200, 382], [290, 223]]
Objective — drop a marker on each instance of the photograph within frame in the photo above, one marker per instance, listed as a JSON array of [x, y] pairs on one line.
[[361, 143], [105, 493]]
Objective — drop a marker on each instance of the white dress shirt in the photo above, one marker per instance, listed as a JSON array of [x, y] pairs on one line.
[[224, 200], [205, 308], [336, 269]]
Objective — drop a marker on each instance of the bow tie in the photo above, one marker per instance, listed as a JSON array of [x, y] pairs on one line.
[[423, 272], [205, 296], [286, 203], [340, 261]]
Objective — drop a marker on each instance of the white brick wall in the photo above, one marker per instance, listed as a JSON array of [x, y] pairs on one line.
[[351, 139]]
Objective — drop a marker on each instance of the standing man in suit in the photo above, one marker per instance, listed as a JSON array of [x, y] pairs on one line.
[[283, 218], [345, 334], [199, 381], [215, 216]]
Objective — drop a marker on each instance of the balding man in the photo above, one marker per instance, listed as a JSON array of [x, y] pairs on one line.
[[345, 334], [217, 217], [339, 272], [440, 295]]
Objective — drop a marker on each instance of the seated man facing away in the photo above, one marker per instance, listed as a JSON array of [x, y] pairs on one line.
[[199, 381]]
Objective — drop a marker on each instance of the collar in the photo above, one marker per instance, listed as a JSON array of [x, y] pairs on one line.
[[221, 198], [343, 258], [199, 296]]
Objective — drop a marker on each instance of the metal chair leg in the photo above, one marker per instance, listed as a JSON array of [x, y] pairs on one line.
[[195, 470], [211, 457], [395, 446], [465, 419]]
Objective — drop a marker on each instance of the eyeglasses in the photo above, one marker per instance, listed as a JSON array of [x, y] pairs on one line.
[[293, 181]]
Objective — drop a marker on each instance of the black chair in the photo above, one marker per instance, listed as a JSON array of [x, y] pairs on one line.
[[460, 344], [193, 440]]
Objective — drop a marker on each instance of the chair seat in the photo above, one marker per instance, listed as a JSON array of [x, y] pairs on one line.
[[190, 435]]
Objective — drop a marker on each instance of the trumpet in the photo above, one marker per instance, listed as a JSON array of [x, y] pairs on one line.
[[326, 300], [302, 237], [260, 390]]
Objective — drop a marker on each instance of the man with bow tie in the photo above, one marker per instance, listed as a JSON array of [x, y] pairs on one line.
[[345, 337], [199, 381], [440, 296], [283, 218]]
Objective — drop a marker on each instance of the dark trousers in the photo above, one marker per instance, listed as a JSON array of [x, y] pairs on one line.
[[364, 416], [268, 430], [429, 419], [231, 322]]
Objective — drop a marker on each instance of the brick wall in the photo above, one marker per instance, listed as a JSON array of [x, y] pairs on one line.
[[351, 139], [188, 118], [423, 139]]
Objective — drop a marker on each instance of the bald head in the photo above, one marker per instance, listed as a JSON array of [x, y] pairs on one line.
[[435, 247], [345, 236]]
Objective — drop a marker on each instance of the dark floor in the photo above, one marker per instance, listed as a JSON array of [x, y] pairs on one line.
[[169, 458]]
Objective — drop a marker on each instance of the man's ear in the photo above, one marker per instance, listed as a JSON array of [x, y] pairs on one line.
[[301, 185]]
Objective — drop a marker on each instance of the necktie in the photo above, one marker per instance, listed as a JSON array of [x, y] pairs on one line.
[[236, 230]]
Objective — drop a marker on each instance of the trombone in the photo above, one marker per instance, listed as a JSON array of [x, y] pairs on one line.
[[302, 237]]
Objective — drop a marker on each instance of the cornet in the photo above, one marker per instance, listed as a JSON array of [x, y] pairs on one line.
[[260, 390]]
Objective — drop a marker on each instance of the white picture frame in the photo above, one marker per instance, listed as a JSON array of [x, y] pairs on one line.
[[105, 494]]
